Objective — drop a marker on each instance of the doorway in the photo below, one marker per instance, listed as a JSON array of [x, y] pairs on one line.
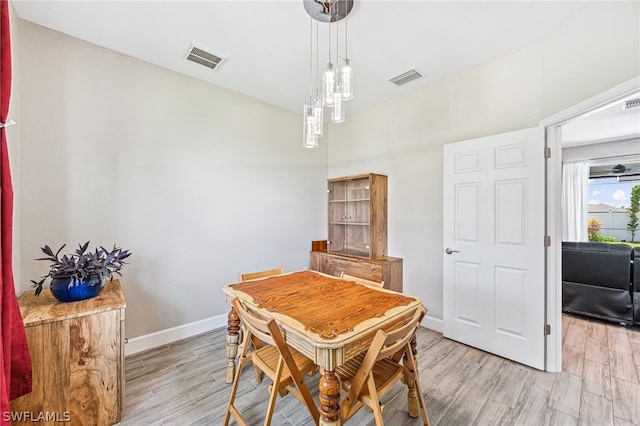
[[553, 129]]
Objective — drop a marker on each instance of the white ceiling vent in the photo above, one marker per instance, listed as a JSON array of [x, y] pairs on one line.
[[633, 103], [406, 77], [204, 57]]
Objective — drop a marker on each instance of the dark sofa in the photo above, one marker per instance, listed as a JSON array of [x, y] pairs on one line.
[[598, 280], [636, 285]]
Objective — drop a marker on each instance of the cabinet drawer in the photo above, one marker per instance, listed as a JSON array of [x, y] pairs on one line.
[[368, 270]]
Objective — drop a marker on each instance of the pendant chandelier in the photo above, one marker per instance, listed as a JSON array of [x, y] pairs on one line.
[[335, 87]]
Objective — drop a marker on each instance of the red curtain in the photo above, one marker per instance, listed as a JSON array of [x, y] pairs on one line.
[[15, 378]]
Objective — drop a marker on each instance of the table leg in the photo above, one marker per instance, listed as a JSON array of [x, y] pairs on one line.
[[233, 337], [412, 396], [329, 399]]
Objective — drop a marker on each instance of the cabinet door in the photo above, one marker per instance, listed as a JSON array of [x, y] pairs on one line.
[[94, 359], [350, 217], [321, 262]]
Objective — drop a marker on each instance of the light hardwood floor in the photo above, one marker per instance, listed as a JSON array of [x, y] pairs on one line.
[[184, 383]]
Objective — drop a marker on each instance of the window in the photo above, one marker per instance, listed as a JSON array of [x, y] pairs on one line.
[[609, 198]]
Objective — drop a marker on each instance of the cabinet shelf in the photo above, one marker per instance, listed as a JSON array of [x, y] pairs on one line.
[[362, 199], [358, 245]]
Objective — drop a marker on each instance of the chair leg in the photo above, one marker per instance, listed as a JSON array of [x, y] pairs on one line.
[[273, 394], [413, 382], [423, 405], [232, 397], [375, 402]]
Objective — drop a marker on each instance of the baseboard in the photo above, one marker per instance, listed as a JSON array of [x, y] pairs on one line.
[[432, 323], [164, 337]]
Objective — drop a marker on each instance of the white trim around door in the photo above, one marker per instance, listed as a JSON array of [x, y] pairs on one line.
[[553, 126]]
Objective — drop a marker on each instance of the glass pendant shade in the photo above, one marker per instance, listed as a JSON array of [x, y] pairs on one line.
[[332, 85], [309, 138], [318, 116], [346, 80], [337, 114], [328, 84]]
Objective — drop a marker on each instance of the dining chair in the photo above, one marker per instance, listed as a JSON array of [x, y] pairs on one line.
[[371, 283], [282, 364], [369, 376], [255, 341], [260, 274]]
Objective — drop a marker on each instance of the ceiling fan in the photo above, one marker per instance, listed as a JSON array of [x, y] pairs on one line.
[[615, 171], [618, 169]]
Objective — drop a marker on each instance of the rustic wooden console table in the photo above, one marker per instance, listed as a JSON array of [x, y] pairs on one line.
[[77, 354]]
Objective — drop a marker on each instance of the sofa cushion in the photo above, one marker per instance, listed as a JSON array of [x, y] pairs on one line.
[[597, 264]]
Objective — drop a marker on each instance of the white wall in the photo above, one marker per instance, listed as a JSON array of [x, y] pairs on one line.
[[403, 138], [197, 181]]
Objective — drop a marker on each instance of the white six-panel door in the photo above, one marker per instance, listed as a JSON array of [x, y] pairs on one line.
[[493, 254]]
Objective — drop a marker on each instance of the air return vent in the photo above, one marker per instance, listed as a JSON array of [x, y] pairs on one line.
[[633, 103], [406, 77], [204, 57]]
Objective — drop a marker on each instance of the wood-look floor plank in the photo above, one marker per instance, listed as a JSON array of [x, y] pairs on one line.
[[618, 339], [469, 402], [597, 330], [596, 379], [626, 400], [572, 360], [619, 422], [531, 406], [633, 333], [595, 410], [558, 418], [565, 395], [596, 350], [635, 349], [576, 336], [623, 367]]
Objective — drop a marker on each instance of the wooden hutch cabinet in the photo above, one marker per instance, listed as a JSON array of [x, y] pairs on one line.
[[357, 228]]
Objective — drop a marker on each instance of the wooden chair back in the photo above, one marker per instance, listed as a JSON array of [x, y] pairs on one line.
[[370, 375], [377, 284], [255, 341], [260, 274], [282, 364]]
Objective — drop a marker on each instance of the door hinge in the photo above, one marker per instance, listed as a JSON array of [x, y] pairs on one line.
[[547, 152], [547, 329], [547, 241]]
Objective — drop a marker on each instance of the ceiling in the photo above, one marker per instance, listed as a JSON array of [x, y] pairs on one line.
[[267, 43], [611, 122]]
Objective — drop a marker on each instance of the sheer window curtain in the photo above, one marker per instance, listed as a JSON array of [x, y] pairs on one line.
[[575, 196]]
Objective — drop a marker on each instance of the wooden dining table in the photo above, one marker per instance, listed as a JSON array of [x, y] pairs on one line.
[[328, 319]]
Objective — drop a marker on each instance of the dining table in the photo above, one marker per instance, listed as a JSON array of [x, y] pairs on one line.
[[326, 318]]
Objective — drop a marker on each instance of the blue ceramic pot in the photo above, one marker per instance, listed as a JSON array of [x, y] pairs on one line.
[[70, 289]]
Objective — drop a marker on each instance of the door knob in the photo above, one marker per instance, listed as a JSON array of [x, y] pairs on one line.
[[449, 250]]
